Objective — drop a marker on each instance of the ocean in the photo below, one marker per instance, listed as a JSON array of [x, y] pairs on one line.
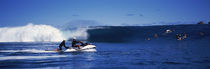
[[118, 47]]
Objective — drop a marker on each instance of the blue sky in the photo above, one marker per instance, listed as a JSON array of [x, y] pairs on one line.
[[105, 12]]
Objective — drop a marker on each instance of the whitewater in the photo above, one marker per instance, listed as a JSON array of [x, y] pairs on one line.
[[38, 33]]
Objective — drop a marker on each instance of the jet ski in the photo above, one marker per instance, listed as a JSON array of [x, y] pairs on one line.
[[87, 48]]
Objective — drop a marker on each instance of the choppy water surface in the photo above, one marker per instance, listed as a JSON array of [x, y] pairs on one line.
[[151, 54]]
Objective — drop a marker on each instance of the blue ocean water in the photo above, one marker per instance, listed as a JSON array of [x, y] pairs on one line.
[[118, 48]]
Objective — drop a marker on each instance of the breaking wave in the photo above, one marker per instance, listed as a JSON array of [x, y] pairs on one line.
[[80, 33], [40, 33], [30, 33], [47, 33], [148, 33]]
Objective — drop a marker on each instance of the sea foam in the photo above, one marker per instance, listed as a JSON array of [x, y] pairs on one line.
[[31, 33]]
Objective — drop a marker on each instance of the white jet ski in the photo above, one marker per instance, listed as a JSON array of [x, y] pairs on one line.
[[87, 48]]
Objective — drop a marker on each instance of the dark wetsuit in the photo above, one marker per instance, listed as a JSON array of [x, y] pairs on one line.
[[62, 44], [177, 36], [74, 42]]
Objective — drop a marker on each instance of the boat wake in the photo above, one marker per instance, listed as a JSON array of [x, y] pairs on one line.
[[28, 50], [29, 57], [88, 48]]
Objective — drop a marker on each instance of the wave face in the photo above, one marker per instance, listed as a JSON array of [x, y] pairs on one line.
[[144, 33], [47, 33], [30, 33]]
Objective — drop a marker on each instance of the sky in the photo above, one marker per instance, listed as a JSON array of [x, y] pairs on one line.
[[103, 12]]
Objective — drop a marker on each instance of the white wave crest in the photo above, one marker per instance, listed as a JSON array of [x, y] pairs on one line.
[[30, 33]]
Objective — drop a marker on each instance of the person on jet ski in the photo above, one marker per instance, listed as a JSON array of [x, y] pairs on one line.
[[62, 44], [74, 43]]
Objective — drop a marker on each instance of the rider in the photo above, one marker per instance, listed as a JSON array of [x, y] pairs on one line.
[[62, 44], [74, 43], [178, 36]]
